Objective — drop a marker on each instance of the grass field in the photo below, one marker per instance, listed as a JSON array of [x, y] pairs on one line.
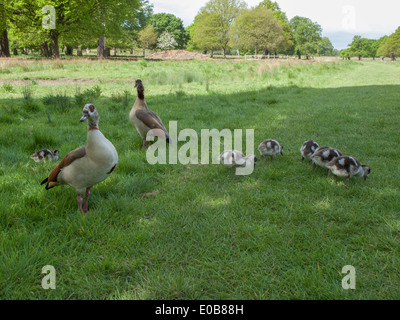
[[200, 231]]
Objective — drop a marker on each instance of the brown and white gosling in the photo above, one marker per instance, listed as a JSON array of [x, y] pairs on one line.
[[307, 149], [270, 148], [348, 166], [44, 154], [143, 119], [88, 165], [235, 158], [323, 155]]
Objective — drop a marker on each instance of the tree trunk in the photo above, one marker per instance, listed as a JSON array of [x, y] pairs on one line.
[[79, 51], [108, 52], [15, 51], [212, 54], [224, 52], [4, 45], [265, 52], [69, 51], [101, 47], [392, 57], [55, 50], [44, 50]]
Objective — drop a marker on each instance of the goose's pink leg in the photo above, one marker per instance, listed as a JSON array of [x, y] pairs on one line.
[[85, 206], [79, 200]]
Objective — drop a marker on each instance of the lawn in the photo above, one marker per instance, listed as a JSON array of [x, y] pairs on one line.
[[200, 231]]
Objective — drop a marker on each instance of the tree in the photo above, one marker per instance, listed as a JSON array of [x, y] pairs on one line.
[[140, 22], [5, 12], [166, 41], [282, 18], [207, 32], [363, 47], [345, 54], [69, 18], [109, 17], [166, 22], [226, 11], [306, 36], [258, 28], [325, 47], [147, 37], [390, 46]]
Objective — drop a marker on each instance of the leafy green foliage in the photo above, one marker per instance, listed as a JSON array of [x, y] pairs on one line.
[[224, 13], [147, 37], [390, 46], [306, 36], [258, 28], [166, 22]]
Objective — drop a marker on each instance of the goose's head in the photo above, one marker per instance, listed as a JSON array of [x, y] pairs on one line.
[[90, 113], [140, 88], [139, 84]]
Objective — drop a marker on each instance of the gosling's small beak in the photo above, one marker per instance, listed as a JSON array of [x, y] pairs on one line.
[[85, 115]]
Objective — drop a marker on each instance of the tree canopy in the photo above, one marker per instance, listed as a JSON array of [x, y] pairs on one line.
[[390, 46], [225, 11], [306, 36], [258, 28], [166, 22]]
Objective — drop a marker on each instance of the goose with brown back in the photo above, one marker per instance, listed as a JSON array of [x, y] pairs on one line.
[[143, 119]]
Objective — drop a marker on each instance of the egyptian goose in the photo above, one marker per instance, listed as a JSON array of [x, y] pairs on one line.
[[323, 155], [270, 148], [235, 158], [44, 154], [307, 149], [88, 165], [143, 119], [347, 166]]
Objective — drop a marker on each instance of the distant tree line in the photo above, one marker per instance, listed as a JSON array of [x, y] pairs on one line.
[[387, 46], [265, 29], [221, 25]]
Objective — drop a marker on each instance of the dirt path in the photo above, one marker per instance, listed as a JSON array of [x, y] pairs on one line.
[[61, 81]]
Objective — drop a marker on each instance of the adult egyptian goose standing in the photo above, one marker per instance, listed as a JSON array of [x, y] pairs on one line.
[[88, 165], [270, 147], [348, 166], [143, 119], [307, 149]]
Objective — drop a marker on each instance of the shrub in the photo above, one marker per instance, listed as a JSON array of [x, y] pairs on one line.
[[8, 88]]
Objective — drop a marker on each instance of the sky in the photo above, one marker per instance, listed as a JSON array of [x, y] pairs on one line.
[[340, 20]]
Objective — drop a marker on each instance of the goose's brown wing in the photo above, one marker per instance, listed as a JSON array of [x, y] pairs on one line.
[[65, 162], [151, 120]]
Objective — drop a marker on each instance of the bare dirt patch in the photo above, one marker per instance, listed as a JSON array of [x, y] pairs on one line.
[[178, 55]]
